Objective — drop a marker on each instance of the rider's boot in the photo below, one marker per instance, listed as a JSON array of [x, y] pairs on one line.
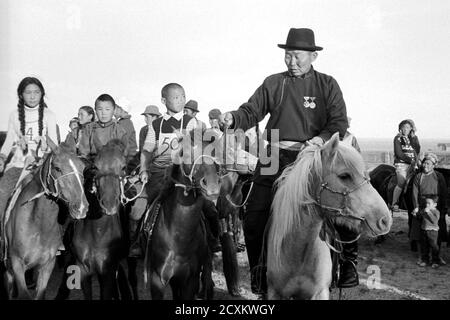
[[348, 275], [258, 280], [135, 246], [397, 193]]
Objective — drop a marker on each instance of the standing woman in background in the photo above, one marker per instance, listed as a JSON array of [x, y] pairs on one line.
[[86, 116], [28, 125], [406, 152]]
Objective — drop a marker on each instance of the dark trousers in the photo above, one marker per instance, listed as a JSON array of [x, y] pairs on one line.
[[258, 207], [429, 241]]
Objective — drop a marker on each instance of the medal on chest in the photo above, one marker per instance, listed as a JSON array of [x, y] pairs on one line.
[[309, 102]]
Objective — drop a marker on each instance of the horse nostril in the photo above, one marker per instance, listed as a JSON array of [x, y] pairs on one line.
[[384, 223]]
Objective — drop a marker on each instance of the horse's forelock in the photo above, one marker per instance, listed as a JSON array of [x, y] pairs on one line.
[[347, 156]]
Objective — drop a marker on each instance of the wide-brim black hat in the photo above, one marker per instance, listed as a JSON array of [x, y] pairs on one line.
[[193, 105], [300, 39]]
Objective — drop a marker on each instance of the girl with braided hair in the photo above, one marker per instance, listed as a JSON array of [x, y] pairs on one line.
[[27, 127]]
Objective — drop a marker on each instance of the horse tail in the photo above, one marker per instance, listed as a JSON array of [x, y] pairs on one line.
[[122, 280]]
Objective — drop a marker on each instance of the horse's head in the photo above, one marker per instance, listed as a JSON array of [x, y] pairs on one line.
[[345, 194], [198, 164], [64, 176], [110, 164]]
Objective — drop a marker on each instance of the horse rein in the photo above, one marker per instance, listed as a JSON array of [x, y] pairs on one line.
[[57, 194], [190, 176]]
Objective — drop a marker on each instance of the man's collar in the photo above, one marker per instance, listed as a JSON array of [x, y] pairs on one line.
[[177, 116]]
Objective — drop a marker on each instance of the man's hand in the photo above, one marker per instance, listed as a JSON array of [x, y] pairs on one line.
[[414, 212], [318, 141], [144, 176], [226, 120]]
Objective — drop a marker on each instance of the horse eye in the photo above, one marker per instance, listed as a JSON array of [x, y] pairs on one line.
[[58, 169], [345, 176]]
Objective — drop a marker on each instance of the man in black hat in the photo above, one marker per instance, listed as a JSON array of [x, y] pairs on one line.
[[191, 109], [307, 107]]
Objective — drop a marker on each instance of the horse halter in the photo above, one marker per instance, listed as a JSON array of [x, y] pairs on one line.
[[342, 211], [190, 176], [44, 182]]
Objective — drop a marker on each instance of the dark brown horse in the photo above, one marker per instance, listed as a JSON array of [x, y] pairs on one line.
[[100, 242], [32, 232], [177, 252]]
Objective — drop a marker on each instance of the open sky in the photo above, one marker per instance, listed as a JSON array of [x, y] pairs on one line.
[[390, 58]]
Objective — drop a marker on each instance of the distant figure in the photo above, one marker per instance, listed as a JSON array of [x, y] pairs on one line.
[[429, 216], [151, 113], [73, 124], [429, 182], [349, 138], [191, 109], [214, 116], [124, 119], [86, 117], [406, 151]]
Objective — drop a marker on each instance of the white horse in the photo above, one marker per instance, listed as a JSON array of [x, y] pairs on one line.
[[325, 186]]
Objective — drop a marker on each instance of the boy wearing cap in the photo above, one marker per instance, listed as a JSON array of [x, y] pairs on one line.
[[151, 113], [140, 204]]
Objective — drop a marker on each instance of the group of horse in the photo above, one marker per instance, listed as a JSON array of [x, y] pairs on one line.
[[57, 202], [325, 186]]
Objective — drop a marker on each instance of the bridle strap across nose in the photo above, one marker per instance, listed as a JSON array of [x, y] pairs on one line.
[[44, 181], [190, 176], [332, 212]]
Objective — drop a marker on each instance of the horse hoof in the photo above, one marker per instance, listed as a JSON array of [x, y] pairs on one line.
[[234, 293]]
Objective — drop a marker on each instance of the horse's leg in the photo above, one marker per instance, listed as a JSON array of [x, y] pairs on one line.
[[108, 285], [11, 286], [18, 270], [324, 294], [132, 276], [207, 281], [177, 289], [272, 294], [64, 291], [86, 285], [188, 289], [156, 287], [124, 288], [44, 274]]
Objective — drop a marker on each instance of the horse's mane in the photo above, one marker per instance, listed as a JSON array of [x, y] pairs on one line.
[[296, 188], [111, 149]]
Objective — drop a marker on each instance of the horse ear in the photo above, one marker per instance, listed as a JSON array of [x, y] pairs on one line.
[[51, 144], [331, 145]]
